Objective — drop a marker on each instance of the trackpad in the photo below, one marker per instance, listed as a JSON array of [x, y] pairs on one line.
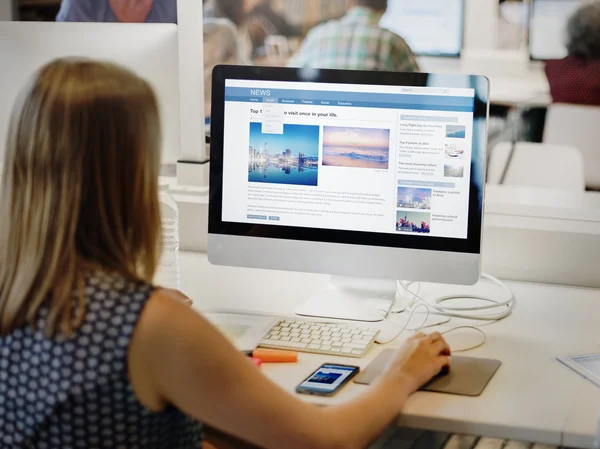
[[468, 377]]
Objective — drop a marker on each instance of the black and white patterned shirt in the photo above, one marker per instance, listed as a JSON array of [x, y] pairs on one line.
[[68, 393]]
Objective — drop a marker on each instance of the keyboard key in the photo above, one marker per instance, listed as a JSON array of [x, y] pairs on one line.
[[295, 339], [517, 445], [306, 340], [461, 442], [284, 325], [347, 350], [357, 352], [489, 443], [337, 344], [346, 340], [336, 349], [285, 338], [336, 334], [354, 345], [314, 346], [336, 339], [294, 326], [284, 344], [325, 347], [275, 337]]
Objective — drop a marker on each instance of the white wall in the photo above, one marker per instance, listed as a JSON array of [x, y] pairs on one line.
[[481, 24], [5, 10]]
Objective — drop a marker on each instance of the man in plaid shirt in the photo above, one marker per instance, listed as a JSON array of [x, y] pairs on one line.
[[356, 42]]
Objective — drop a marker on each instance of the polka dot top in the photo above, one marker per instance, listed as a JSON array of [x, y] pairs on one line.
[[63, 393]]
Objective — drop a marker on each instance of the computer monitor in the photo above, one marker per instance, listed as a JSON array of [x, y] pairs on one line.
[[370, 176], [547, 29], [430, 27], [150, 50]]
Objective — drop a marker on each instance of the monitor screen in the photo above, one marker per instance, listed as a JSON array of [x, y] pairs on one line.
[[547, 31], [362, 174], [391, 163], [430, 27]]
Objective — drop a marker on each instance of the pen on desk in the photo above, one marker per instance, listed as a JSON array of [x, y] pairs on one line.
[[272, 355]]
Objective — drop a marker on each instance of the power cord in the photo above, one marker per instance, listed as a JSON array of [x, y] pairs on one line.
[[504, 307], [435, 307]]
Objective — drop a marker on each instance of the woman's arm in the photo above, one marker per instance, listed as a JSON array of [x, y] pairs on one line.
[[177, 357]]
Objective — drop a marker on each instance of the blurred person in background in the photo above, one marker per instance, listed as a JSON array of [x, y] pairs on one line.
[[265, 21], [236, 11], [220, 47], [356, 42], [576, 78], [127, 11], [512, 24]]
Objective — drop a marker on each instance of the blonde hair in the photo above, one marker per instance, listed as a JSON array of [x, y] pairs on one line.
[[79, 189]]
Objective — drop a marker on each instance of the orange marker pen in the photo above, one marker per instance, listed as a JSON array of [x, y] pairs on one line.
[[275, 356]]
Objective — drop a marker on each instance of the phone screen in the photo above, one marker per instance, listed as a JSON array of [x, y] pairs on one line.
[[327, 379]]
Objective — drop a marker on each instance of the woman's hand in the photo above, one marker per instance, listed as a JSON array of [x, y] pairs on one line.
[[420, 359]]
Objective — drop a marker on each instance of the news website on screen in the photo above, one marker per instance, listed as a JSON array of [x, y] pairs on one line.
[[381, 159]]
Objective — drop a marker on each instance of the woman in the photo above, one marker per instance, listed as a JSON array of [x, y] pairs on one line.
[[576, 78], [128, 11], [92, 354]]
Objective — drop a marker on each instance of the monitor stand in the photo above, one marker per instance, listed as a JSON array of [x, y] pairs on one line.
[[353, 299]]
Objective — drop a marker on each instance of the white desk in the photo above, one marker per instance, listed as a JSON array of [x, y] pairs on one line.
[[578, 431], [530, 398]]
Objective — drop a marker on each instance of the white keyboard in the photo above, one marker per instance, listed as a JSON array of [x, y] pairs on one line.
[[320, 337]]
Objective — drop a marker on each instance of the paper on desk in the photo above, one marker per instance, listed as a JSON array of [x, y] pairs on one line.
[[244, 331]]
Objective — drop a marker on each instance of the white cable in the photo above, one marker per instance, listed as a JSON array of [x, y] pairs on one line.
[[468, 348], [382, 315], [502, 308], [435, 307]]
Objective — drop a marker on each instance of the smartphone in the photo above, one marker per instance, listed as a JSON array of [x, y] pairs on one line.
[[328, 379]]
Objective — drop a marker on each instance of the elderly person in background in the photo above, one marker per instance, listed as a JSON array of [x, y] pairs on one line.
[[127, 11], [576, 78]]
